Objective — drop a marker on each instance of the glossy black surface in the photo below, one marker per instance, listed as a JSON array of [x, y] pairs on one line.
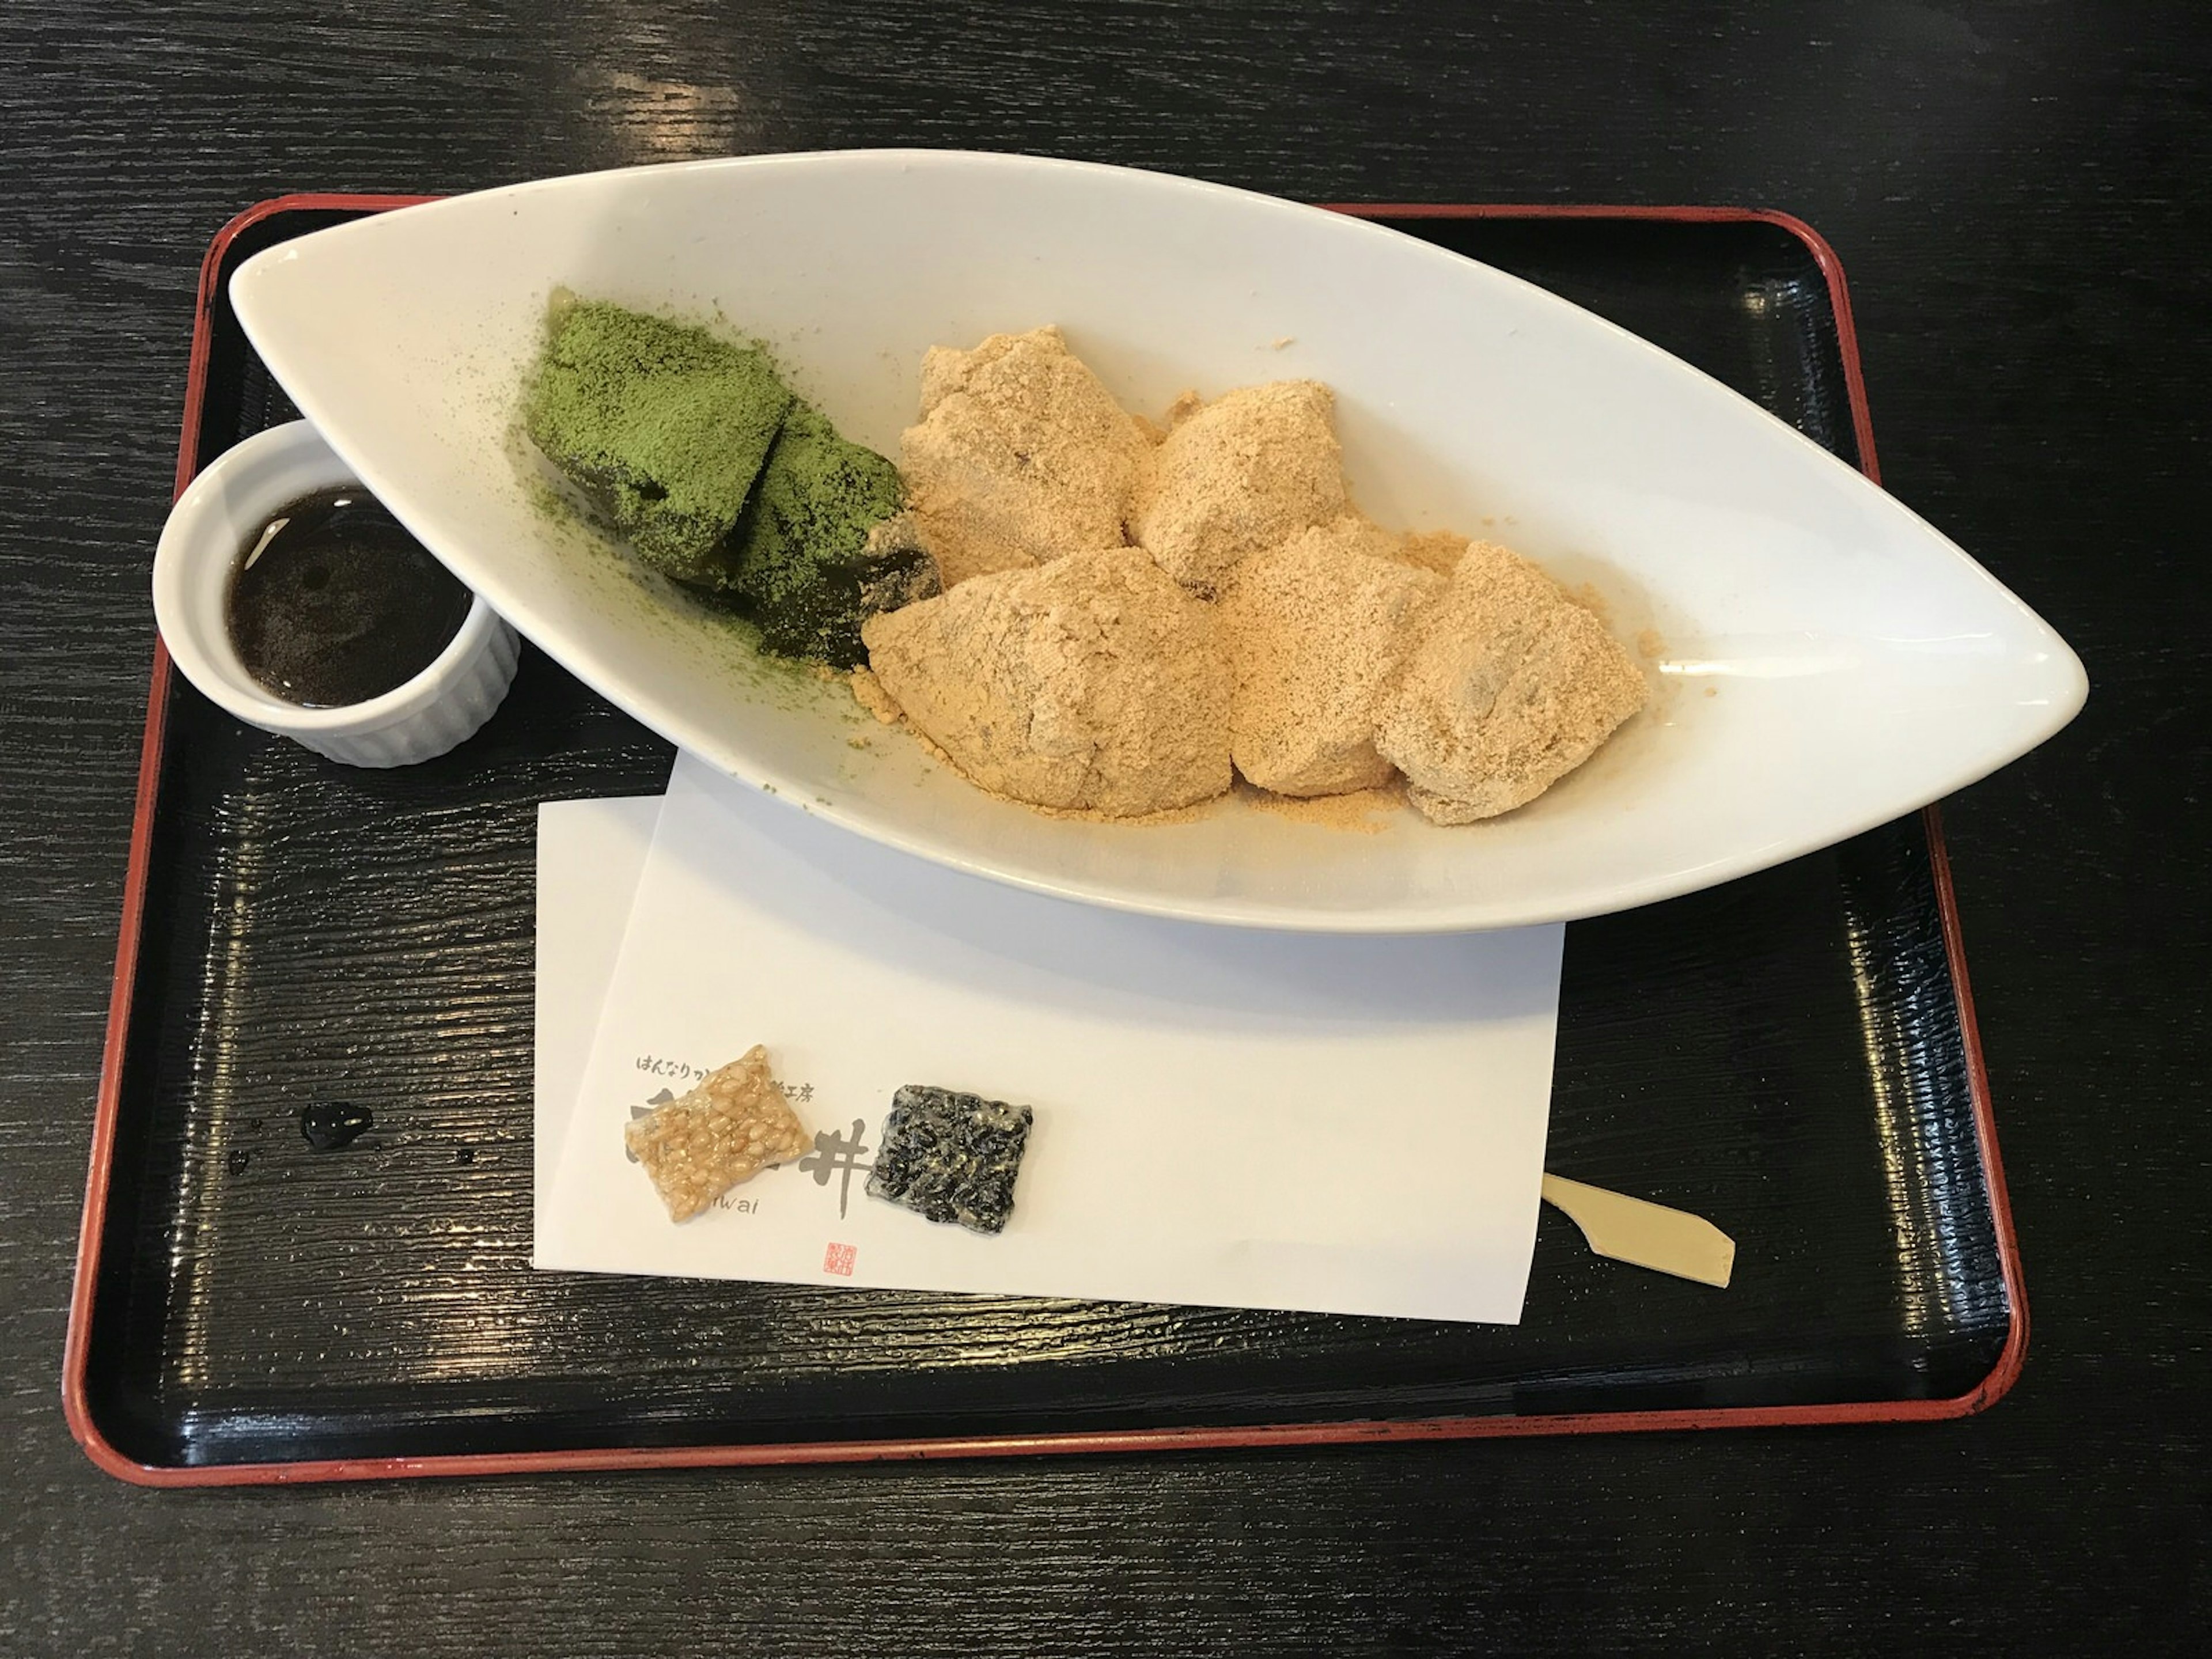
[[1781, 1054], [2017, 188]]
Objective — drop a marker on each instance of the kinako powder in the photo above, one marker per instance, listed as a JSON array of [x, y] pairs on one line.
[[717, 477], [1067, 669]]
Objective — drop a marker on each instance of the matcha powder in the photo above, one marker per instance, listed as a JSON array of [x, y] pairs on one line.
[[665, 427], [805, 565], [718, 478]]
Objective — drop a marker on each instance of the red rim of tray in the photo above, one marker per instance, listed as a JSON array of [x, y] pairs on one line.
[[74, 1400]]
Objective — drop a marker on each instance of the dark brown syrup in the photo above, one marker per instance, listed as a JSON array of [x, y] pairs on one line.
[[334, 602]]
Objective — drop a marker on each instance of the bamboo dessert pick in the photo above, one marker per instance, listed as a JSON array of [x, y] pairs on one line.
[[1648, 1235]]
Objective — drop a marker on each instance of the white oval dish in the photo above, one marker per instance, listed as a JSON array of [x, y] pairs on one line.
[[1823, 660], [228, 503]]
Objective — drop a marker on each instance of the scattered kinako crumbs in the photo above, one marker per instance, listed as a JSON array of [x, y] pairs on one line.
[[1363, 811], [869, 693]]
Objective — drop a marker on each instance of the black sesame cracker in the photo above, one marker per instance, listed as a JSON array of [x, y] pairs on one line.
[[951, 1156]]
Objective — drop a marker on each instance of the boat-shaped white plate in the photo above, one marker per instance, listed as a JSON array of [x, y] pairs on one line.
[[1822, 660]]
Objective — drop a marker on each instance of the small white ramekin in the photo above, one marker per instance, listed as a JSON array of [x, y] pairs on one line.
[[219, 514]]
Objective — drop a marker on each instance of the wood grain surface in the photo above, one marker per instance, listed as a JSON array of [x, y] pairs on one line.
[[2017, 192]]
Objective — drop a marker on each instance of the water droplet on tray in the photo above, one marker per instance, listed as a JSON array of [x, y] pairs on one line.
[[328, 1125]]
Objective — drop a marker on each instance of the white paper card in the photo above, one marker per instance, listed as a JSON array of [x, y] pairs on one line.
[[590, 854], [1224, 1117]]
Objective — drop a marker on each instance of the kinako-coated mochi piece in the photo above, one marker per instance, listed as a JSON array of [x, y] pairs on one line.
[[662, 426], [1091, 684], [1431, 550], [1237, 475], [1316, 630], [951, 1156], [1509, 686], [1021, 456], [728, 1128]]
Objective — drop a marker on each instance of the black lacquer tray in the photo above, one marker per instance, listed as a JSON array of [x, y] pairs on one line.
[[1792, 1055]]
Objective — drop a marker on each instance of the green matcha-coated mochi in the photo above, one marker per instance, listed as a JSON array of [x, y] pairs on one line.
[[806, 567], [663, 426]]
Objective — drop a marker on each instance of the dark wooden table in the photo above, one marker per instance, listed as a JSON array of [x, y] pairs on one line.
[[2018, 192]]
